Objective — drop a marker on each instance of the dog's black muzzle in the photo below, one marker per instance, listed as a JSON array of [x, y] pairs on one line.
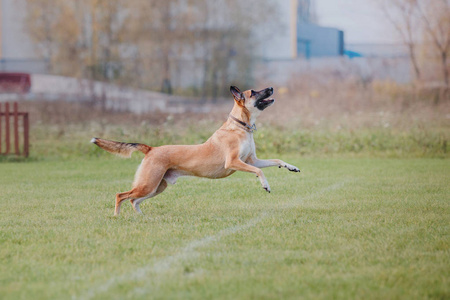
[[262, 101]]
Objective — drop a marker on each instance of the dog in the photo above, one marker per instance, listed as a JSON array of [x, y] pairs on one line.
[[231, 148]]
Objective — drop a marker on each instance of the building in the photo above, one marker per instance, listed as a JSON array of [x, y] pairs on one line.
[[318, 41], [17, 53], [297, 36]]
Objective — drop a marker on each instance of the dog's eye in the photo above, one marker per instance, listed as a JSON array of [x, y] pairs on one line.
[[253, 93]]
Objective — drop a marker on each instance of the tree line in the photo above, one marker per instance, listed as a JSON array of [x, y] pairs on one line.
[[152, 44]]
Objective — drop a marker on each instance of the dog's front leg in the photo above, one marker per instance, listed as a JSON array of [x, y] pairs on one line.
[[239, 165], [264, 163]]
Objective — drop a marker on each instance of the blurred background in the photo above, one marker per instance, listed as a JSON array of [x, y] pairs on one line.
[[367, 76]]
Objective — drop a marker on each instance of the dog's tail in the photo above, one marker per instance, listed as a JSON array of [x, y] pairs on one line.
[[119, 148]]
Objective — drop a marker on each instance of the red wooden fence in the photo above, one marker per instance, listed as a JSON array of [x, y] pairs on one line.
[[6, 118]]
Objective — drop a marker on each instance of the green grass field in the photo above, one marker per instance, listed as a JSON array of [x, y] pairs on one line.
[[344, 228]]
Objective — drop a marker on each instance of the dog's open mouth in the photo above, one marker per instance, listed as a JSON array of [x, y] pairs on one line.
[[262, 104]]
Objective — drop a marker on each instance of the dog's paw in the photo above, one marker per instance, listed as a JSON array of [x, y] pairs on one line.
[[292, 168]]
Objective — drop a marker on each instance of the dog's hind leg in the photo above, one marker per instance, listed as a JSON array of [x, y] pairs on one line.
[[148, 182], [135, 202], [121, 197], [136, 194]]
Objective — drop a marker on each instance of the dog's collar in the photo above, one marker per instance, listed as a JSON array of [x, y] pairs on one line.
[[247, 127]]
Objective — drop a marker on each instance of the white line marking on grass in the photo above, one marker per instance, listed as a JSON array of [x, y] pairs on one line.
[[165, 263], [299, 200], [188, 251]]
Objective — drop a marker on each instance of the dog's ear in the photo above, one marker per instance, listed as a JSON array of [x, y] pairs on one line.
[[237, 94]]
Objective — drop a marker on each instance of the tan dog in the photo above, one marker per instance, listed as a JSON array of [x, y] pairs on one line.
[[229, 149]]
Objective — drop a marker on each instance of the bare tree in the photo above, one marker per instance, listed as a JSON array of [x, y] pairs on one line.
[[435, 16], [160, 31], [51, 27], [102, 36], [228, 42], [403, 16], [78, 38], [421, 23]]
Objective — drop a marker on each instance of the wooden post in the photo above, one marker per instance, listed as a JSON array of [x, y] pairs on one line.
[[7, 141], [16, 128], [26, 128], [15, 114]]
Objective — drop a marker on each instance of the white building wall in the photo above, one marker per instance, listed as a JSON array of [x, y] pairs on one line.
[[15, 44], [278, 37]]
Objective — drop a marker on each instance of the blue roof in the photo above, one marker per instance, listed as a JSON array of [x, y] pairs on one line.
[[352, 54]]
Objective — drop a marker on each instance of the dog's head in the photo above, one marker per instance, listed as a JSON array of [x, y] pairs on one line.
[[254, 101]]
